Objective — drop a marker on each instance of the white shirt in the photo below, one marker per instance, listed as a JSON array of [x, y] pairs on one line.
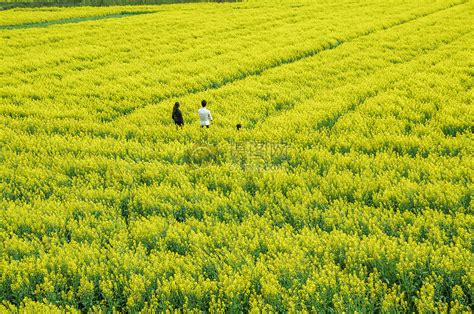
[[205, 117]]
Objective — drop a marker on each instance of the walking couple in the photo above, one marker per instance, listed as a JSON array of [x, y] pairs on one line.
[[205, 117]]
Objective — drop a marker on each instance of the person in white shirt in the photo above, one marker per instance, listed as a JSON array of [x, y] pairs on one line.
[[205, 117]]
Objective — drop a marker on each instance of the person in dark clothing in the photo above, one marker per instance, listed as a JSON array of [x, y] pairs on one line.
[[177, 116], [239, 126]]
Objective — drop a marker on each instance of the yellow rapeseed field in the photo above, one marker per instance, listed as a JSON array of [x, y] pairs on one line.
[[349, 187]]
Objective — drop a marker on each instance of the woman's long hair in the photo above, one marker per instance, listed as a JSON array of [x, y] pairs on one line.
[[176, 106]]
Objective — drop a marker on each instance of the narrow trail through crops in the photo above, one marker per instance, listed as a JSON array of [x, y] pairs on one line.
[[72, 20], [277, 63]]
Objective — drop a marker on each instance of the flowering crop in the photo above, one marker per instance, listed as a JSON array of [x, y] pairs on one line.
[[362, 201], [21, 17]]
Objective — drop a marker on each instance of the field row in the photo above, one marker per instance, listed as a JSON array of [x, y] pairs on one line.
[[41, 15]]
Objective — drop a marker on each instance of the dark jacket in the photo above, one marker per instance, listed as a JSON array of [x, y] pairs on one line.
[[177, 117]]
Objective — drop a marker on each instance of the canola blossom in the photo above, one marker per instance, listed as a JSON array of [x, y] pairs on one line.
[[348, 189]]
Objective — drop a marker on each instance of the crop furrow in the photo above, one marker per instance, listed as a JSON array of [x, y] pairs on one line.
[[71, 20], [330, 122]]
